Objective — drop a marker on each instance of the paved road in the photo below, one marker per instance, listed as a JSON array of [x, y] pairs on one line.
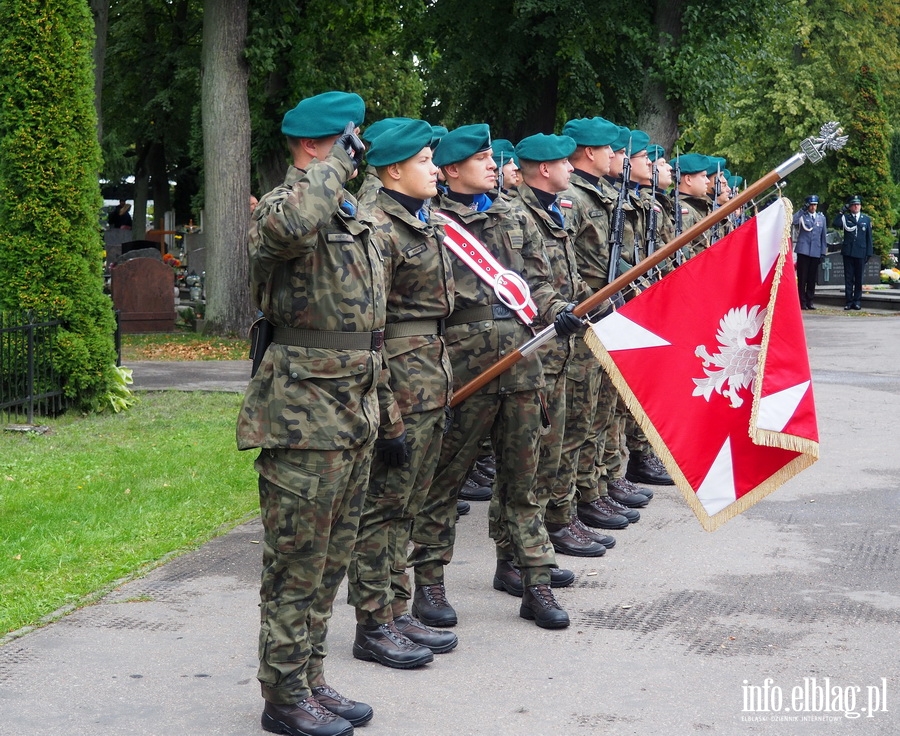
[[670, 629]]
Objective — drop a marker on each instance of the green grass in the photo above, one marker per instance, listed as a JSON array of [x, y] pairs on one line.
[[104, 496]]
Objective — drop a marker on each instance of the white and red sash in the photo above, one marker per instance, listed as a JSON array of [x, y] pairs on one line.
[[510, 288]]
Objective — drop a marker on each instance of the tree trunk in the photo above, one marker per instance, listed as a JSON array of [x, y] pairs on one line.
[[226, 146], [100, 12], [659, 114]]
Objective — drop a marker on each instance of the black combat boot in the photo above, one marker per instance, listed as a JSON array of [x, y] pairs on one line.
[[350, 710], [438, 642], [384, 644], [431, 607], [646, 467], [307, 718], [539, 605]]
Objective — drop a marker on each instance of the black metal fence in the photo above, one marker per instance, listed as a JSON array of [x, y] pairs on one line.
[[28, 383]]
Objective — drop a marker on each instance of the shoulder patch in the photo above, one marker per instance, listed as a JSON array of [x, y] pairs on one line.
[[567, 203]]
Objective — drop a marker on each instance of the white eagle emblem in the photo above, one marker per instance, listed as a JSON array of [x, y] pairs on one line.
[[735, 363]]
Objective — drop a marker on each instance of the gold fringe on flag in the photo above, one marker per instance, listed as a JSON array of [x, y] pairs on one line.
[[809, 449]]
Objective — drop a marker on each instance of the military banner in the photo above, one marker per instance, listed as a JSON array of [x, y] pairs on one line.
[[712, 361]]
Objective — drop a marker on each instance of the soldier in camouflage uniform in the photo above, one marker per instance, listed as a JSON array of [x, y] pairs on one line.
[[420, 296], [365, 195], [695, 205], [611, 444], [589, 217], [480, 332], [545, 174], [312, 407]]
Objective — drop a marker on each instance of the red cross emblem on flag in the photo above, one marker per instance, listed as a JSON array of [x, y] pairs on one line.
[[712, 362]]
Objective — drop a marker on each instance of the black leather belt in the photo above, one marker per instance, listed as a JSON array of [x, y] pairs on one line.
[[328, 340], [476, 314], [413, 328]]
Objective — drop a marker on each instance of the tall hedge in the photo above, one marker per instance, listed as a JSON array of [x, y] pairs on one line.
[[50, 247], [863, 165]]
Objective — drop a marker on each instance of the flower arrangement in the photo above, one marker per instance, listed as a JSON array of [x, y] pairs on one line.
[[171, 260], [890, 275]]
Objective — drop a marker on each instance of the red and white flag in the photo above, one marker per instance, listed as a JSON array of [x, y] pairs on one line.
[[712, 362]]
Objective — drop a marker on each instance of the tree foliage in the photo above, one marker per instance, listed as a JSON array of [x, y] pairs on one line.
[[50, 250], [297, 50], [862, 166]]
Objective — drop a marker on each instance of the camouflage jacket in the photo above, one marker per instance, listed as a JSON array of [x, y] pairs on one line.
[[419, 287], [371, 184], [563, 276], [590, 219], [694, 209], [312, 266], [475, 346]]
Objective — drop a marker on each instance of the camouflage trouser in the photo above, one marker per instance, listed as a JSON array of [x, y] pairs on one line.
[[550, 448], [310, 502], [635, 439], [513, 423], [378, 586], [582, 379], [590, 479], [614, 453]]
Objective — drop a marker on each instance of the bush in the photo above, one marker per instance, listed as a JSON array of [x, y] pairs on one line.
[[50, 248]]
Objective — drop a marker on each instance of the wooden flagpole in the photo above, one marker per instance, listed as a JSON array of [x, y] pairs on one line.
[[811, 149]]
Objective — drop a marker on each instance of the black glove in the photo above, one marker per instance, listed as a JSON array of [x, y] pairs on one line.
[[352, 144], [393, 453], [566, 323]]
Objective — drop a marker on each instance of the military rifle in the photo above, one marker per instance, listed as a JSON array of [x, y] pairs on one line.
[[812, 149], [617, 233], [653, 217], [676, 200], [717, 191]]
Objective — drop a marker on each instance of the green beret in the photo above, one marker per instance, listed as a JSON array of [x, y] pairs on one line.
[[380, 126], [621, 142], [655, 151], [734, 181], [401, 142], [637, 142], [542, 147], [437, 132], [324, 115], [591, 131], [503, 151], [716, 163], [691, 163], [459, 144]]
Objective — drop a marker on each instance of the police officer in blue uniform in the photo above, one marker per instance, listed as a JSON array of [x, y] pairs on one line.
[[856, 249]]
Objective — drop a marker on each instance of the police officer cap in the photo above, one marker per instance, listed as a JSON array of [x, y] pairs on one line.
[[503, 151], [622, 141], [855, 200], [381, 126], [655, 151], [591, 131], [401, 142], [323, 115], [543, 147], [812, 199], [459, 144], [691, 163], [716, 163]]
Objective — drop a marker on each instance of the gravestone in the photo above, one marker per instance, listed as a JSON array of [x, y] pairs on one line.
[[195, 252], [143, 290], [831, 271]]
